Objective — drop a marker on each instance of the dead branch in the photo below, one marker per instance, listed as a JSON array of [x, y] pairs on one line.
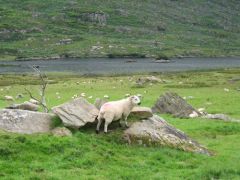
[[40, 102], [44, 83]]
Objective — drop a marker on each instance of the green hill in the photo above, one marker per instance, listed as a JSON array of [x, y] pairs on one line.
[[94, 28]]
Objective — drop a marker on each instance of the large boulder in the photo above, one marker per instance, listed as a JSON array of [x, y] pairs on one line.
[[141, 112], [156, 131], [27, 122], [171, 103], [76, 113]]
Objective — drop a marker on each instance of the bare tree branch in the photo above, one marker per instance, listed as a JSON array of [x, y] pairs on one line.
[[44, 83], [42, 104]]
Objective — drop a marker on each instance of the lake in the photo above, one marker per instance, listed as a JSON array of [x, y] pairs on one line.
[[117, 66]]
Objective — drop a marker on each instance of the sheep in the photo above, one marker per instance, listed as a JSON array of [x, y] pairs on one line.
[[19, 96], [106, 96], [116, 110], [33, 101], [8, 98], [127, 95]]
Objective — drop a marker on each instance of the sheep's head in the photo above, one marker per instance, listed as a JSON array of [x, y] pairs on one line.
[[135, 100]]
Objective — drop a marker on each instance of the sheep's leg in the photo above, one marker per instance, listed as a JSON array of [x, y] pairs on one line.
[[120, 120], [98, 125], [106, 126], [119, 123], [125, 120]]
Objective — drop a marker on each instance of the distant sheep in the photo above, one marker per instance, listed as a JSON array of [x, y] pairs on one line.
[[116, 110], [8, 98], [33, 101]]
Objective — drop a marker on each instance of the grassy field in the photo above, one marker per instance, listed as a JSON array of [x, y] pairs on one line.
[[137, 28], [90, 156]]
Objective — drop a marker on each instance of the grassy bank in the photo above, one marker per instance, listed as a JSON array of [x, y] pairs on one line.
[[53, 29], [90, 156]]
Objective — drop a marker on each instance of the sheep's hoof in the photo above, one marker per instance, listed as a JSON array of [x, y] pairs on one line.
[[97, 131]]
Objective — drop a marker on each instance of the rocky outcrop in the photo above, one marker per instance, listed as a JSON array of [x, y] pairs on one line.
[[141, 112], [156, 131], [76, 113], [95, 17], [171, 103], [64, 42], [27, 122]]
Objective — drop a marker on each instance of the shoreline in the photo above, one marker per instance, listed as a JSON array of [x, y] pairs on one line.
[[120, 57], [107, 57], [75, 74]]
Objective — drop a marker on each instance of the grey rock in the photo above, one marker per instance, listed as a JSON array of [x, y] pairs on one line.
[[24, 106], [123, 29], [95, 17], [76, 113], [235, 79], [61, 131], [217, 116], [149, 79], [171, 103], [26, 122], [162, 61], [155, 131], [222, 117], [141, 112], [65, 41]]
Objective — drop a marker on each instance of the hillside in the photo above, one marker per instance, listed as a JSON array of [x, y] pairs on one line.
[[110, 28]]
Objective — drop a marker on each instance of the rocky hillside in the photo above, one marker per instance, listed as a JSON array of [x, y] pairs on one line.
[[111, 28]]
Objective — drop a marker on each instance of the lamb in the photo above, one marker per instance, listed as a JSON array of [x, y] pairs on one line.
[[116, 110]]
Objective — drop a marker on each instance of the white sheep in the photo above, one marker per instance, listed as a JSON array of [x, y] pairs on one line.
[[33, 101], [116, 110], [8, 98], [106, 96]]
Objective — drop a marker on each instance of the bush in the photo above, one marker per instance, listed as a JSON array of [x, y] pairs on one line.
[[162, 57], [131, 55]]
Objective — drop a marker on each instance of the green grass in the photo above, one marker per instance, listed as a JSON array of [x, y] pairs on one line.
[[90, 156], [141, 28]]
